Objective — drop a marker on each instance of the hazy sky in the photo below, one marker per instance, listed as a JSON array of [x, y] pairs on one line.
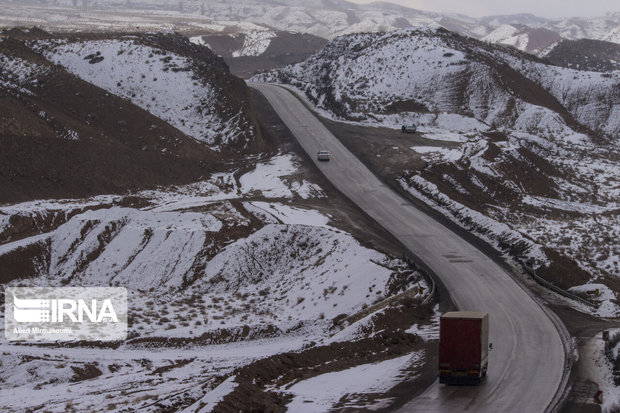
[[543, 8]]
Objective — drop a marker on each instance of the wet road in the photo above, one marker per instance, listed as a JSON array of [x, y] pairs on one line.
[[526, 366]]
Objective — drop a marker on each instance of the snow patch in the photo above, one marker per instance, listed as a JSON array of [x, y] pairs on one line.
[[274, 179], [500, 33], [255, 43], [321, 393], [603, 294], [213, 397], [275, 212], [199, 41]]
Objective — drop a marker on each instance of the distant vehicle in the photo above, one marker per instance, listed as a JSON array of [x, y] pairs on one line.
[[323, 156], [408, 129], [463, 347]]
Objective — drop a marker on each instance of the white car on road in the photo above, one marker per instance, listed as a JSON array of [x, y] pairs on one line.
[[323, 156]]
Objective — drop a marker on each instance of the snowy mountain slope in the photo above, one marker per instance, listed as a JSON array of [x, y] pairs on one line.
[[526, 19], [261, 42], [597, 28], [500, 33], [527, 201], [549, 199], [166, 84], [63, 137], [19, 74], [592, 98], [254, 43], [369, 77], [321, 18], [170, 251]]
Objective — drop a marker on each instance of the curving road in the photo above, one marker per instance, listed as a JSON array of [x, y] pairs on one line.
[[526, 366]]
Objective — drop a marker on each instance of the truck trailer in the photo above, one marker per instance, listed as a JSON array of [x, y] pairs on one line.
[[463, 347]]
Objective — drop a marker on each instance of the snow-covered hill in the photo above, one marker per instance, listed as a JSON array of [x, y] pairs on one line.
[[180, 90], [537, 35], [228, 248], [92, 114], [376, 77], [56, 133]]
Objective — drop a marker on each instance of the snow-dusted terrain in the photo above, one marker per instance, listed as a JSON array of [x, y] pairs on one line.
[[255, 43], [252, 261], [367, 378], [537, 41], [202, 269], [167, 85], [437, 72], [19, 74], [509, 140], [125, 246]]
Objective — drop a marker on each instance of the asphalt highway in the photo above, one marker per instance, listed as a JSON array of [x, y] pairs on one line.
[[527, 363]]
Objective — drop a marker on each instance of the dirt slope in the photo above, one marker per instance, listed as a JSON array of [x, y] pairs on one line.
[[586, 54]]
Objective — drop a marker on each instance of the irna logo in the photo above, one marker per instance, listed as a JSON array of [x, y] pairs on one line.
[[65, 314], [56, 311]]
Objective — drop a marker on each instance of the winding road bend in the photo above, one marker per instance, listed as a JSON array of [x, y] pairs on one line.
[[527, 364]]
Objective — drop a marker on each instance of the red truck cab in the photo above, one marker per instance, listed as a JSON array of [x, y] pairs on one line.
[[463, 347]]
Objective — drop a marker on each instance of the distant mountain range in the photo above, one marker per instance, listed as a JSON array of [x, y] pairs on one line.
[[331, 18]]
